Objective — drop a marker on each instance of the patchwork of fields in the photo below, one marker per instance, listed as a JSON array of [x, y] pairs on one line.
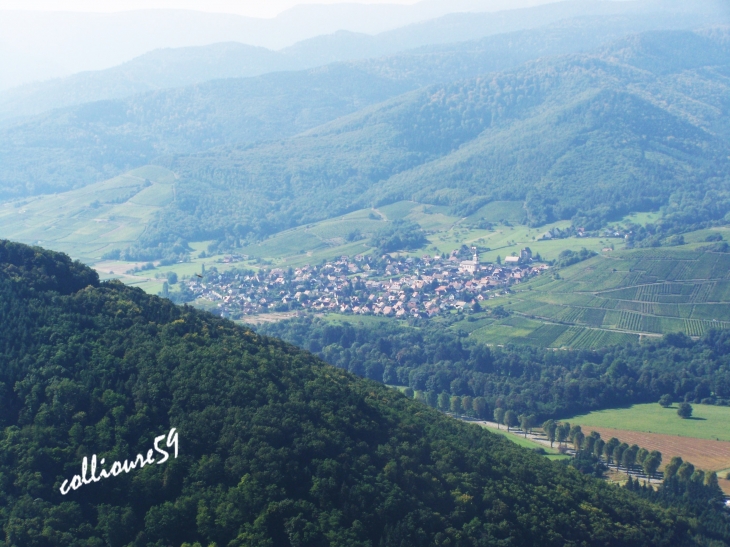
[[445, 232], [92, 220], [708, 422], [703, 454], [642, 292], [613, 298], [704, 440]]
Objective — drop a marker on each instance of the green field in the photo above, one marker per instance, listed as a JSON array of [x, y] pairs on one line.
[[707, 422], [89, 221], [527, 443]]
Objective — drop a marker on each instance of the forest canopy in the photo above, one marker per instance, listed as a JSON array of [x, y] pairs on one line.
[[276, 447], [433, 359]]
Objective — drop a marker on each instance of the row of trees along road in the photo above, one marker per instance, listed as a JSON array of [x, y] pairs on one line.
[[613, 451], [621, 454]]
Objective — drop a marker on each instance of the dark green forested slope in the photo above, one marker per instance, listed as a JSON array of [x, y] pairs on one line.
[[585, 137], [73, 147], [276, 448]]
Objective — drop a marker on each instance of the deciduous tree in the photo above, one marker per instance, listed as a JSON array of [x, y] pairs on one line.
[[550, 427], [499, 416], [684, 410], [510, 418]]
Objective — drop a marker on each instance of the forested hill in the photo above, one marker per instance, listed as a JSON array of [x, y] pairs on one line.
[[275, 447], [174, 67], [72, 147], [586, 137]]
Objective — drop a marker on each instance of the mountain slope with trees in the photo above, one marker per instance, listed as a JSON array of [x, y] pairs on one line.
[[587, 138], [432, 359], [174, 67], [83, 144], [635, 126], [275, 447]]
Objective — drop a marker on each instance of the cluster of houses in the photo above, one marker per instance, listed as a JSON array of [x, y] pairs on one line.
[[397, 287]]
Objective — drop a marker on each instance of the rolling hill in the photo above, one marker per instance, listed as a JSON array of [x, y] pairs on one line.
[[88, 143], [588, 138], [158, 69], [634, 126], [91, 220], [74, 147], [98, 41], [93, 41], [275, 447]]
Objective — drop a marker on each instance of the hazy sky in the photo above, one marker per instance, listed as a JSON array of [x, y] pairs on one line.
[[254, 8]]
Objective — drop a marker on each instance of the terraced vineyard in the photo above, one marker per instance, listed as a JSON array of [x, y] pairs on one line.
[[633, 293]]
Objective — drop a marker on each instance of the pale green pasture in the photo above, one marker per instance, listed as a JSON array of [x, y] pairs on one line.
[[524, 442], [498, 211], [707, 422], [506, 241], [88, 221], [700, 236], [398, 210], [641, 219]]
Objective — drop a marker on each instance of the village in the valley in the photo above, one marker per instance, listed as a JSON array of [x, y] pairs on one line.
[[394, 287]]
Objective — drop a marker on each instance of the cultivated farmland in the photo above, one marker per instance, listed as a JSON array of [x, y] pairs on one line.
[[708, 422], [621, 295], [704, 454], [704, 441]]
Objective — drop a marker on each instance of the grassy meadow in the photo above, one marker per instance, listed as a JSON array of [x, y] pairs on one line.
[[707, 422], [87, 222]]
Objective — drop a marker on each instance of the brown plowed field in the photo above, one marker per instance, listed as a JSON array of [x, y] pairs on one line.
[[704, 454]]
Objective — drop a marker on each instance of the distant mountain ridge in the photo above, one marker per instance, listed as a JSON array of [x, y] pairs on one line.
[[94, 41], [168, 68], [635, 126], [95, 141]]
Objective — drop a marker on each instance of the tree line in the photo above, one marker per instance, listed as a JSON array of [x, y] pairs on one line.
[[442, 366]]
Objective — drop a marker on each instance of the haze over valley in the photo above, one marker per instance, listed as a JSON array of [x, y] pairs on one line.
[[440, 273]]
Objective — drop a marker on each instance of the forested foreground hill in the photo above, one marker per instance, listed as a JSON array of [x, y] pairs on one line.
[[275, 447]]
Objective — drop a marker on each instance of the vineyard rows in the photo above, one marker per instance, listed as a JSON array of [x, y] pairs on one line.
[[648, 293], [547, 334], [571, 315], [701, 292], [630, 321], [694, 327]]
